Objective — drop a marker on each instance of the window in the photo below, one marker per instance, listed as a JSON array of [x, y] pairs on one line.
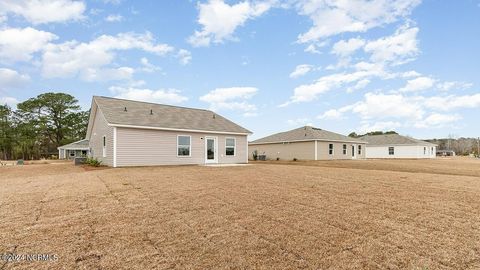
[[183, 146], [330, 149], [84, 152], [391, 151], [424, 150], [359, 149], [344, 149], [431, 153], [104, 148], [72, 154], [230, 144]]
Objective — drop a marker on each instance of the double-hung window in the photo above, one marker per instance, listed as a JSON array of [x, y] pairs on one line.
[[330, 149], [184, 146], [391, 151], [359, 149], [344, 149], [230, 145]]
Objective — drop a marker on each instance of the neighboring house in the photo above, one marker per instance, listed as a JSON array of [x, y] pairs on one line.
[[308, 143], [131, 133], [73, 150], [397, 146]]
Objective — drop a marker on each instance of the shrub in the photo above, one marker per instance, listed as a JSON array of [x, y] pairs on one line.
[[295, 159], [278, 158], [93, 162]]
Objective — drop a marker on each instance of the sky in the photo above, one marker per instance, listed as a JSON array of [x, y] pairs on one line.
[[269, 65]]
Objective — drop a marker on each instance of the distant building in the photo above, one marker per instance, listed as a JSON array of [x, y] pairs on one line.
[[308, 143], [445, 153], [398, 146], [73, 150]]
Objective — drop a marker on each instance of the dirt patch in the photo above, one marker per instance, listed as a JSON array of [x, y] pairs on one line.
[[260, 216]]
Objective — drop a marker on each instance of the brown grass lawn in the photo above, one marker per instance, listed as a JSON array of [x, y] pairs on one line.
[[319, 216]]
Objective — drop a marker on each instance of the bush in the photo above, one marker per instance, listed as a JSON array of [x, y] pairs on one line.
[[93, 162], [278, 158], [295, 159]]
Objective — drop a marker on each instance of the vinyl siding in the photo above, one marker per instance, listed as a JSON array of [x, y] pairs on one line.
[[401, 151], [145, 147], [305, 150], [285, 151], [323, 153], [99, 129]]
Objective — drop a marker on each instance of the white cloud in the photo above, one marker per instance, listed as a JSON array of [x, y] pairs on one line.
[[107, 74], [165, 96], [300, 122], [220, 20], [345, 48], [232, 98], [72, 58], [44, 11], [335, 17], [18, 44], [147, 66], [437, 120], [378, 126], [10, 101], [184, 56], [410, 74], [301, 70], [418, 84], [381, 106], [331, 115], [396, 49], [451, 102], [312, 49], [447, 86], [114, 18], [12, 79]]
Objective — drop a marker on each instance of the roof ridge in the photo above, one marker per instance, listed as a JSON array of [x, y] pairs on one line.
[[153, 103]]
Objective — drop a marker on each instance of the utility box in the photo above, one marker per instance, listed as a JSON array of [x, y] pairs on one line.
[[20, 162]]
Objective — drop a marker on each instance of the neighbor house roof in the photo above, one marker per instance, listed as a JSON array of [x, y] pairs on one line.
[[306, 133], [393, 139], [121, 112], [79, 145]]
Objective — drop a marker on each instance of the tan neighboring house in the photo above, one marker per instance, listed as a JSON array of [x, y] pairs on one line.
[[130, 133], [308, 143], [398, 146]]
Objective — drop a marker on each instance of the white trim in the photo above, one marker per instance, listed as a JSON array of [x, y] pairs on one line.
[[179, 129], [189, 149], [61, 148], [215, 160], [234, 146], [114, 147], [310, 140], [247, 151], [316, 150]]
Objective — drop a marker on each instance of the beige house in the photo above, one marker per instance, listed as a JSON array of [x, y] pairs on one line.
[[131, 133], [308, 143]]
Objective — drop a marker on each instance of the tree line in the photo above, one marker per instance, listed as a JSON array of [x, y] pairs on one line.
[[39, 125]]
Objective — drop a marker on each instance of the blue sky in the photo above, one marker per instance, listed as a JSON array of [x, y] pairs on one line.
[[269, 65]]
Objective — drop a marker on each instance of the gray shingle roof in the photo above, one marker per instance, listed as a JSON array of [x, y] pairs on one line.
[[83, 144], [163, 116], [393, 139], [306, 133]]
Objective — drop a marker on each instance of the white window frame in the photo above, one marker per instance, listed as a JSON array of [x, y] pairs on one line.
[[393, 152], [234, 146], [333, 149], [344, 149], [104, 146], [189, 147]]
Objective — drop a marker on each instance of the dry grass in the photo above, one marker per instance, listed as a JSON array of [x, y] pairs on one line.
[[260, 216]]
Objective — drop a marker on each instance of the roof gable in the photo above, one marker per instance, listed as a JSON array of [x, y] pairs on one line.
[[123, 112], [306, 133]]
